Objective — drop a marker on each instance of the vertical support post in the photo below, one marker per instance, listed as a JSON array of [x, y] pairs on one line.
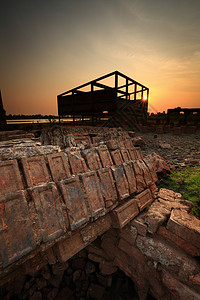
[[116, 87], [58, 109], [135, 91], [147, 98], [116, 81], [73, 108], [127, 89], [92, 102]]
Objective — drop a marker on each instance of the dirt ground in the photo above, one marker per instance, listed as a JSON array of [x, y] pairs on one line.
[[175, 149]]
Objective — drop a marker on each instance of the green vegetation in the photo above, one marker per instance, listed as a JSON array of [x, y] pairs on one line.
[[187, 182]]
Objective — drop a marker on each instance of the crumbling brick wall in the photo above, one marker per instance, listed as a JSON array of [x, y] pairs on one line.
[[159, 250], [57, 196], [54, 205]]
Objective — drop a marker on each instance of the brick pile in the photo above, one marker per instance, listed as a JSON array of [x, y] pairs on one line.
[[78, 278], [15, 134], [54, 205], [159, 249], [60, 202]]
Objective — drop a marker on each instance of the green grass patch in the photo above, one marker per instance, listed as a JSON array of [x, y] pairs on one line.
[[185, 180]]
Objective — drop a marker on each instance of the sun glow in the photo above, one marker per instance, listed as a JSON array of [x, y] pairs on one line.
[[144, 98]]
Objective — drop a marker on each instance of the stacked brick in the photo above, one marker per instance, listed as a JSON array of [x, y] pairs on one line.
[[54, 205], [159, 249], [66, 199]]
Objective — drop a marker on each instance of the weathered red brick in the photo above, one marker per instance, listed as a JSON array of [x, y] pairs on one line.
[[16, 235], [124, 214], [139, 224], [10, 179], [151, 169], [130, 175], [59, 268], [125, 155], [157, 249], [177, 204], [132, 153], [129, 233], [166, 194], [97, 139], [139, 176], [144, 199], [105, 156], [35, 170], [107, 268], [59, 166], [177, 288], [142, 285], [109, 246], [75, 201], [157, 214], [51, 256], [122, 256], [95, 229], [146, 174], [48, 206], [121, 141], [93, 192], [81, 139], [92, 159], [128, 143], [138, 153], [117, 157], [121, 263], [69, 247], [195, 279], [35, 264], [153, 188], [95, 257], [192, 250], [185, 226], [108, 187], [121, 182], [112, 144], [93, 249], [77, 162], [153, 277], [132, 251]]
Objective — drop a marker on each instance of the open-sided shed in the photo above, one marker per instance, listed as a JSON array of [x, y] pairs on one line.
[[112, 97]]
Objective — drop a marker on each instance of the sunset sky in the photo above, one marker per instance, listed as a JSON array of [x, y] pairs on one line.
[[50, 46]]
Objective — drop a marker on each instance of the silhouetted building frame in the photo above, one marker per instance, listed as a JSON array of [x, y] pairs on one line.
[[97, 100]]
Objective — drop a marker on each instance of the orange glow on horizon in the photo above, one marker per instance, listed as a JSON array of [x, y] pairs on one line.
[[157, 47]]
